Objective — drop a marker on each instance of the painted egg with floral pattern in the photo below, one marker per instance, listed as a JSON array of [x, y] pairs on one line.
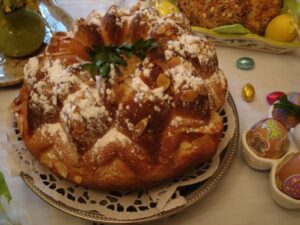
[[282, 114], [268, 138], [288, 175]]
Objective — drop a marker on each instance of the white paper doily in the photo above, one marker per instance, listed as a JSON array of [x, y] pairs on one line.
[[127, 207]]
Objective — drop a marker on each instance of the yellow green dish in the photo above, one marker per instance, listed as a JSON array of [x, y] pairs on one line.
[[247, 35]]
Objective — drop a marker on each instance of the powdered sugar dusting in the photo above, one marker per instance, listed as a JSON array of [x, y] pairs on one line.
[[71, 33], [188, 45], [121, 16], [176, 121], [143, 91], [113, 135], [85, 103], [30, 70], [53, 130], [94, 18], [39, 97], [183, 77]]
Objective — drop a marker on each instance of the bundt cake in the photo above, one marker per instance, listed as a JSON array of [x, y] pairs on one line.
[[143, 121]]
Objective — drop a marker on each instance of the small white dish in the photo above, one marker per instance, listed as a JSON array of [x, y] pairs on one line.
[[260, 163], [278, 196]]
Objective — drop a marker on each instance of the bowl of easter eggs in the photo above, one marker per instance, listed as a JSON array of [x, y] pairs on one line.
[[273, 144]]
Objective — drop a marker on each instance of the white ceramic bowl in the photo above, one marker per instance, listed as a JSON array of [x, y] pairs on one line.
[[260, 163], [278, 196]]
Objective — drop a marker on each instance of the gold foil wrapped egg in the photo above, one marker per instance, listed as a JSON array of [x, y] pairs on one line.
[[248, 92], [268, 139], [288, 175]]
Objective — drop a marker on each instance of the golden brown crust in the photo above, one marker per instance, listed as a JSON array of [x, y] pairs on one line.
[[155, 120], [253, 14], [261, 13], [213, 13]]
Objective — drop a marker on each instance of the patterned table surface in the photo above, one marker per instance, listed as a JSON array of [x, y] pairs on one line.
[[242, 197]]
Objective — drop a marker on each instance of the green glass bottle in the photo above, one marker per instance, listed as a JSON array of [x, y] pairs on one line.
[[21, 32]]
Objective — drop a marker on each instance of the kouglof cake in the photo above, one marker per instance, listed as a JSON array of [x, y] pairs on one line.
[[133, 123]]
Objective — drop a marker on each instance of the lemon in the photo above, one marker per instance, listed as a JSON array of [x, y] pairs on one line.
[[281, 29], [166, 7]]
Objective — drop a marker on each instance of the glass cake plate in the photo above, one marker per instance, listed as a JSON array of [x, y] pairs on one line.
[[129, 207], [56, 19]]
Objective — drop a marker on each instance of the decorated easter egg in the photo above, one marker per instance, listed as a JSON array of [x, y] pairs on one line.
[[282, 114], [268, 138], [288, 175]]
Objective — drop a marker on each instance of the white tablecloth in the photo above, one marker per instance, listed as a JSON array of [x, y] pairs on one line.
[[242, 197]]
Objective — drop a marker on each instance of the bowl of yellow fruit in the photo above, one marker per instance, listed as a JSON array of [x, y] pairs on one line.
[[263, 25]]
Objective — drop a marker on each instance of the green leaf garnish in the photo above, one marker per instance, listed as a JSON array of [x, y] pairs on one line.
[[291, 108], [292, 8], [3, 187], [102, 57], [232, 29]]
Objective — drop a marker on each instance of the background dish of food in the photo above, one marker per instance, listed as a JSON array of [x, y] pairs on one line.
[[230, 31]]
